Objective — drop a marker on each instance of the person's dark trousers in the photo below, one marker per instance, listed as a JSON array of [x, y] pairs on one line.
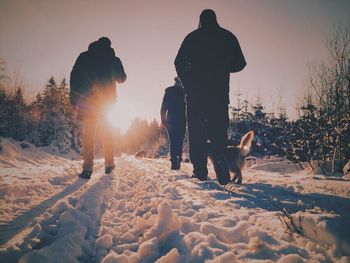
[[176, 134], [207, 120]]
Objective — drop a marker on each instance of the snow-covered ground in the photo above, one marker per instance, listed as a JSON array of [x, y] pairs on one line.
[[144, 212]]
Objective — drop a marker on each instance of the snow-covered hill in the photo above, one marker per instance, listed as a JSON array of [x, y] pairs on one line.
[[144, 212]]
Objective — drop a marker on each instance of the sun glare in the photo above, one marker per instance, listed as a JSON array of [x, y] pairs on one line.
[[118, 115]]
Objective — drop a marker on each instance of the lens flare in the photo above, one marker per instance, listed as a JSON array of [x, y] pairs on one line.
[[118, 116]]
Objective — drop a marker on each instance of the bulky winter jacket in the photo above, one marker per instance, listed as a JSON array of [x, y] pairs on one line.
[[173, 107], [97, 68], [204, 62]]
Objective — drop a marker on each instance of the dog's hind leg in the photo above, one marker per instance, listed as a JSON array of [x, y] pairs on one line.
[[237, 178], [239, 175]]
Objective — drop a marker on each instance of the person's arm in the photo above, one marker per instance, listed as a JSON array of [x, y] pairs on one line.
[[75, 82], [120, 75], [182, 61], [238, 61], [164, 110]]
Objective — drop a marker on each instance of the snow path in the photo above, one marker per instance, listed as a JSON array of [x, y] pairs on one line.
[[163, 215], [68, 227], [28, 218], [29, 178], [43, 182], [144, 212]]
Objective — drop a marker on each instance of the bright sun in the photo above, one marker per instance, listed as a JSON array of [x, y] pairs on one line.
[[118, 115]]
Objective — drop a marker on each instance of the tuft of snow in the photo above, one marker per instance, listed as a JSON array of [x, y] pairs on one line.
[[60, 206], [346, 170], [113, 257], [291, 258], [227, 257], [149, 248], [167, 223], [229, 235], [104, 242], [172, 257]]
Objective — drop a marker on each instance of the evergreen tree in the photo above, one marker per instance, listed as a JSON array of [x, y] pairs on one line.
[[259, 115], [305, 141], [236, 111], [246, 115], [13, 110], [3, 75], [56, 122], [4, 100], [18, 114], [33, 125]]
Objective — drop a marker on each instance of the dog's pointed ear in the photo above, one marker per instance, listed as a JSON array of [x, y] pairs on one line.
[[246, 142]]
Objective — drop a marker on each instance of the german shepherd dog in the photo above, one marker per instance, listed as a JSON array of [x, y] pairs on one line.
[[236, 156], [140, 155]]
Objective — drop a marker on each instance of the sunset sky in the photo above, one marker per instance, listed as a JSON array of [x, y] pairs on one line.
[[279, 38]]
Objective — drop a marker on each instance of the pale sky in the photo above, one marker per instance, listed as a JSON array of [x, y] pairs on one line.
[[279, 38]]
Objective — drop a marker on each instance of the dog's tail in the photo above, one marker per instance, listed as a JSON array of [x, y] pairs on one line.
[[246, 142]]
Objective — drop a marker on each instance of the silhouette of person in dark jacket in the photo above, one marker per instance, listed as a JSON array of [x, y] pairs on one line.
[[92, 86], [173, 117], [204, 62]]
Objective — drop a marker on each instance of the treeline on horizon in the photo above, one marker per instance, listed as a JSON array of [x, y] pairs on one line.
[[319, 136], [49, 120]]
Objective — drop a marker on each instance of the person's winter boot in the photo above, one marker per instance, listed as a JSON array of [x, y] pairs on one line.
[[109, 169], [176, 163], [221, 169], [85, 174], [200, 173]]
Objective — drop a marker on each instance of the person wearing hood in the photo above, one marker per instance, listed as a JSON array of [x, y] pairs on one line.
[[173, 118], [204, 62], [92, 87]]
